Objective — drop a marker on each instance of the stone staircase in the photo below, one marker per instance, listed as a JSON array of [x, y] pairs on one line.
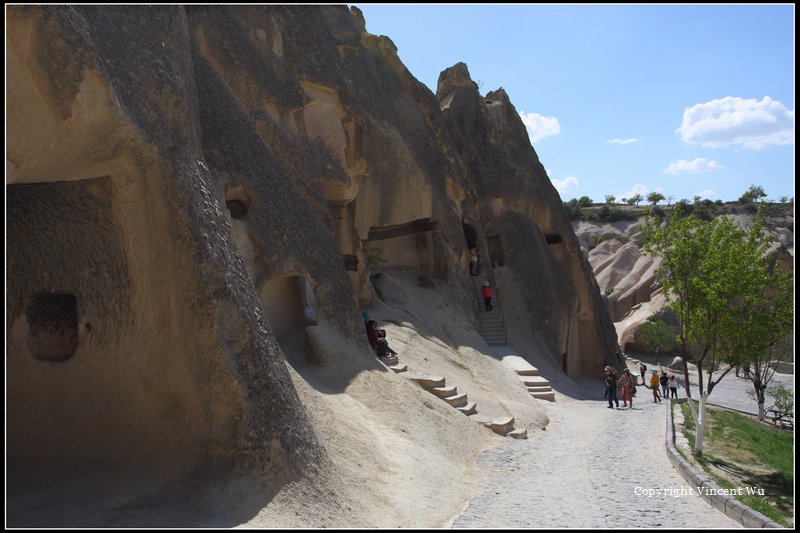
[[537, 386], [436, 386], [492, 325]]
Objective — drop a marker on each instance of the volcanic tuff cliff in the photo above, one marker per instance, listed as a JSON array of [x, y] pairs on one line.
[[197, 196]]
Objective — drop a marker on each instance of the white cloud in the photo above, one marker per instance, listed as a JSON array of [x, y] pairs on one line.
[[644, 190], [624, 141], [738, 121], [697, 165], [567, 186], [708, 193], [540, 126]]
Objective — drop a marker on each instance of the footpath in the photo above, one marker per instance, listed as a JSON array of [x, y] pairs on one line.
[[592, 467]]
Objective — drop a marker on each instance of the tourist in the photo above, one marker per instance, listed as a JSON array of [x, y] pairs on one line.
[[664, 380], [654, 386], [486, 292], [611, 387], [673, 386], [627, 385], [377, 340], [642, 370], [473, 261]]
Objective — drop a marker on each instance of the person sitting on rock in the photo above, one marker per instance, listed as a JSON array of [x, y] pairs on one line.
[[377, 340]]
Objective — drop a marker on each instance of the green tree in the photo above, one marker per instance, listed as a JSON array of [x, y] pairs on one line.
[[762, 333], [784, 399], [636, 198], [655, 197], [610, 199], [585, 201], [657, 333], [753, 194], [711, 267]]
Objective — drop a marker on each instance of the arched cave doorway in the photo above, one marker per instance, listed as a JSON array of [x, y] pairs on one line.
[[290, 306], [470, 235]]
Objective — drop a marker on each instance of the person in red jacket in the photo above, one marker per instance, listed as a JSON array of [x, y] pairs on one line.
[[377, 340], [486, 292]]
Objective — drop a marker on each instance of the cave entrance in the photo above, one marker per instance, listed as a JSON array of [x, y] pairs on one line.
[[290, 306], [470, 235]]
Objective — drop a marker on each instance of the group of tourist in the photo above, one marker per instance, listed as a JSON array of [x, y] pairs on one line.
[[626, 385]]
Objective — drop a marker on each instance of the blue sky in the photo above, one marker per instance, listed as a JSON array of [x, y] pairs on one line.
[[686, 100]]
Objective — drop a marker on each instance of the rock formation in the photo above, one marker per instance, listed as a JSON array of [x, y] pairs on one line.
[[198, 196], [627, 278]]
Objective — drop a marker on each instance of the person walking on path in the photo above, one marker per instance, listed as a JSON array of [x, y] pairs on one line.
[[673, 387], [611, 387], [626, 385], [664, 380], [654, 385], [486, 292], [642, 370]]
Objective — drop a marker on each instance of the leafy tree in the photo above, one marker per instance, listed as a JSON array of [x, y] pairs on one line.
[[783, 199], [585, 201], [784, 399], [610, 199], [753, 194], [713, 268], [573, 209], [762, 332], [636, 198], [655, 197], [657, 333]]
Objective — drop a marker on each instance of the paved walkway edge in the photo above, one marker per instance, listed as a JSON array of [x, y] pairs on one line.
[[730, 506]]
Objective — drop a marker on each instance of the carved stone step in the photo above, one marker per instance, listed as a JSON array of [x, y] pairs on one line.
[[534, 381], [532, 371], [428, 382], [549, 396], [457, 400], [442, 392], [469, 409], [543, 388], [520, 433], [501, 425], [399, 368]]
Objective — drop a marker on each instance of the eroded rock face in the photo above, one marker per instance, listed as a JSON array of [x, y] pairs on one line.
[[520, 219], [193, 190], [134, 334]]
